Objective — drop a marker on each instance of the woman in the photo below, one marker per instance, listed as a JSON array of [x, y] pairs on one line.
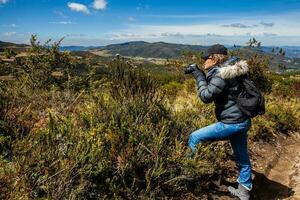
[[221, 86]]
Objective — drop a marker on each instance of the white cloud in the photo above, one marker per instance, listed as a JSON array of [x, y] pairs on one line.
[[3, 1], [76, 35], [60, 14], [62, 22], [270, 34], [142, 6], [270, 30], [178, 16], [78, 7], [123, 36], [271, 24], [281, 27], [132, 19], [178, 35], [10, 25], [152, 35], [237, 25], [9, 34], [100, 4]]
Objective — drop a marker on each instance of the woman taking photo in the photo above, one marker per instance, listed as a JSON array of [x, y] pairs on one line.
[[221, 85]]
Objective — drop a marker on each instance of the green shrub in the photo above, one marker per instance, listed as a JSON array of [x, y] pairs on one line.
[[280, 118], [9, 53], [172, 89], [284, 86], [122, 141], [120, 133]]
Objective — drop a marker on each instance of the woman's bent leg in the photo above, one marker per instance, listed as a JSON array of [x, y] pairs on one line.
[[214, 132], [201, 135]]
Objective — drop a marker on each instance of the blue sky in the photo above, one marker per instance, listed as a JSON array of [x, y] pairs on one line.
[[101, 22]]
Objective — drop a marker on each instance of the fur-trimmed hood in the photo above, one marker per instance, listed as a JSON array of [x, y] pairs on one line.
[[229, 70]]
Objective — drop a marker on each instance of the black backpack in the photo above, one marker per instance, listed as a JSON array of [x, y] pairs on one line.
[[250, 100]]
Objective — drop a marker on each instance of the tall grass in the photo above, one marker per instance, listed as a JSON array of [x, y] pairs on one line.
[[118, 134], [117, 139]]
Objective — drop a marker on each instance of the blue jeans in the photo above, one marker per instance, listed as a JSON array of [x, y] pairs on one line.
[[237, 134]]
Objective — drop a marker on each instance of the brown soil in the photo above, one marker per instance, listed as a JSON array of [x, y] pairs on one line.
[[286, 172], [276, 170]]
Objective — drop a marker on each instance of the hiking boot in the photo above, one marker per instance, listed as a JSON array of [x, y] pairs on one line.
[[241, 192]]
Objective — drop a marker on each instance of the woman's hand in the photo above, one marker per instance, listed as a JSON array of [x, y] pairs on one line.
[[191, 68]]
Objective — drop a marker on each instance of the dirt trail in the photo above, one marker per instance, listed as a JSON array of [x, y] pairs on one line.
[[281, 181], [287, 169], [276, 169]]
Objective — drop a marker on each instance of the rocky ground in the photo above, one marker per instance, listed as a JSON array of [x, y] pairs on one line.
[[276, 171], [284, 174]]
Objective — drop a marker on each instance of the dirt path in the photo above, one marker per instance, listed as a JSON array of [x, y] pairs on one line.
[[276, 169], [287, 169], [281, 180]]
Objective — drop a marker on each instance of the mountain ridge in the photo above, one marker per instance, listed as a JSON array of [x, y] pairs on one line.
[[164, 50]]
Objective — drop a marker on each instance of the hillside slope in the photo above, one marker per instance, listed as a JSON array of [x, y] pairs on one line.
[[168, 50], [164, 50], [16, 47], [12, 45], [151, 50]]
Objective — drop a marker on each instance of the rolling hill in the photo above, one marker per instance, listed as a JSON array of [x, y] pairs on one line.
[[163, 50], [169, 50], [150, 50], [9, 44]]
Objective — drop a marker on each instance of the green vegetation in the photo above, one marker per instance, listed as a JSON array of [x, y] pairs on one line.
[[74, 128], [254, 43], [151, 50], [8, 53]]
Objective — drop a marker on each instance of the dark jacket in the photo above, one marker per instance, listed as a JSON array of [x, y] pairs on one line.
[[221, 86]]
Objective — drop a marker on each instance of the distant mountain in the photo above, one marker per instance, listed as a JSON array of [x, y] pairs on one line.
[[290, 51], [277, 62], [169, 50], [9, 44], [78, 48], [73, 48], [151, 50], [290, 61], [155, 50], [17, 47]]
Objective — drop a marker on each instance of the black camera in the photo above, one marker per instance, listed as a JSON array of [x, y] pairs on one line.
[[190, 68]]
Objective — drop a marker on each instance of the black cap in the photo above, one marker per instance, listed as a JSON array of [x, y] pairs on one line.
[[215, 49]]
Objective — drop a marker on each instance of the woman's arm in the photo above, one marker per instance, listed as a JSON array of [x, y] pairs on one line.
[[208, 91]]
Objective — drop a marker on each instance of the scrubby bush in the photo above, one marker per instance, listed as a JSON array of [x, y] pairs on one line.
[[118, 134], [46, 66], [282, 108], [258, 72], [9, 53], [172, 89], [117, 140]]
